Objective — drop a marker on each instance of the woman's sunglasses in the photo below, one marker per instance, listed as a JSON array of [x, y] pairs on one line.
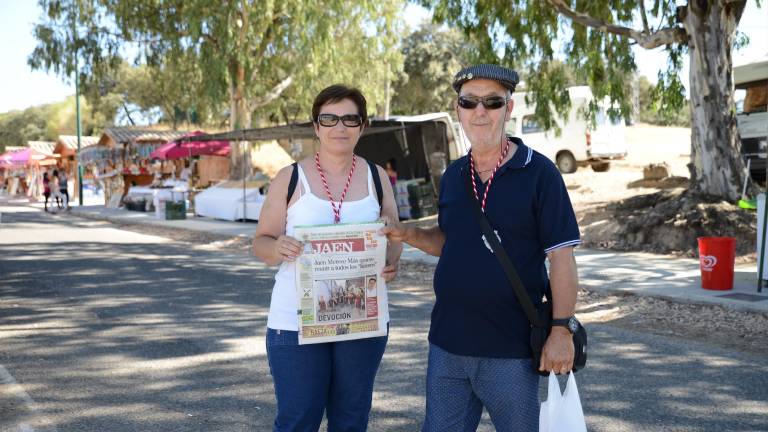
[[331, 120], [489, 102]]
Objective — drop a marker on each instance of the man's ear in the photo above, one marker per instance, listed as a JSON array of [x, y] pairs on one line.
[[510, 105]]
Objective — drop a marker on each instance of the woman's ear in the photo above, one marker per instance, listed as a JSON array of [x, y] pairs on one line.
[[317, 129]]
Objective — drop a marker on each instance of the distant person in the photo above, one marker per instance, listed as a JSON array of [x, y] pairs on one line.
[[55, 192], [391, 169], [336, 378], [63, 188], [46, 190]]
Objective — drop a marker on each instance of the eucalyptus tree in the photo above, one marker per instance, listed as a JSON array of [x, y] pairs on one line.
[[432, 55], [596, 37], [248, 51]]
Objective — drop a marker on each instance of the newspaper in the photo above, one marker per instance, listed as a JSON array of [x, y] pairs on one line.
[[338, 284]]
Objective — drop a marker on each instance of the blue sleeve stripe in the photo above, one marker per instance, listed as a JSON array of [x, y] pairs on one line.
[[530, 155], [562, 245]]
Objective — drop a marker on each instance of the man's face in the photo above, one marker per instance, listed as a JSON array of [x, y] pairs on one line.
[[483, 125]]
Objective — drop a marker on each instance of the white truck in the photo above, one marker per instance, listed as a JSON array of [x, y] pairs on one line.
[[752, 115], [578, 144]]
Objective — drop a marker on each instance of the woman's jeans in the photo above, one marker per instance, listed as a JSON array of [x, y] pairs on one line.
[[333, 377]]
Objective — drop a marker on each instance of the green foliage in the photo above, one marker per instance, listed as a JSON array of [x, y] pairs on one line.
[[46, 122], [530, 36], [652, 111], [221, 59], [432, 56], [361, 49]]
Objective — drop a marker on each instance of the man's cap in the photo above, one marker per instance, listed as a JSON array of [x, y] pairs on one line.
[[506, 77]]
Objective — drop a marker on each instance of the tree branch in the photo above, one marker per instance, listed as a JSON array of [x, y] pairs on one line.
[[645, 18], [648, 41], [270, 95]]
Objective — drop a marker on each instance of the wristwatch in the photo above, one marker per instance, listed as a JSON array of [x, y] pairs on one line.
[[571, 323]]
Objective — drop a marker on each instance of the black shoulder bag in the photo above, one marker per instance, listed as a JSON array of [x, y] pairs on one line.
[[540, 319]]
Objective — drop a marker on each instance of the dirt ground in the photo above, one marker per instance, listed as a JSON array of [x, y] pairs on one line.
[[617, 210]]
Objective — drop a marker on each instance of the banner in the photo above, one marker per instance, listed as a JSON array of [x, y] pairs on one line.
[[338, 284]]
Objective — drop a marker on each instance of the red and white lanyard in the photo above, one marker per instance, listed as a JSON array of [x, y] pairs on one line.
[[490, 179], [336, 210]]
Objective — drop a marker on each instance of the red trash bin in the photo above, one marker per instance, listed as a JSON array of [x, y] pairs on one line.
[[716, 258]]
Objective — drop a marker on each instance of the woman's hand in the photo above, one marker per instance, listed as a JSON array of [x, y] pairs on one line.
[[288, 248], [389, 272]]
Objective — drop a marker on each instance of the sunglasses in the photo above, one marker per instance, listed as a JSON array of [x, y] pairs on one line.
[[489, 102], [331, 120]]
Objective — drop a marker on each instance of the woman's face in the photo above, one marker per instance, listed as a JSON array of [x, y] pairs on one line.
[[338, 139]]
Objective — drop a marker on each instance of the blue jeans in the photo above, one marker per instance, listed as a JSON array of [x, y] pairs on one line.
[[459, 386], [333, 377]]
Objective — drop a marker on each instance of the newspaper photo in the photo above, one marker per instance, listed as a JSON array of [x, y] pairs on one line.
[[338, 284]]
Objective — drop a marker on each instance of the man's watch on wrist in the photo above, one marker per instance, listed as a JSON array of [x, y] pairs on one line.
[[569, 323]]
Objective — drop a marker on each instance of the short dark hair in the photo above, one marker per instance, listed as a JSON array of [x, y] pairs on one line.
[[337, 93]]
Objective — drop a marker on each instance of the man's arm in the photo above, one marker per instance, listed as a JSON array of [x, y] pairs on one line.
[[429, 240], [557, 354]]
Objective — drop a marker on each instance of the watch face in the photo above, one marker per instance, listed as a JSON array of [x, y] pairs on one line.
[[573, 325]]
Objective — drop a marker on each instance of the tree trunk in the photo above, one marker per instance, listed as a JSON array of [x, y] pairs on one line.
[[717, 167], [239, 118]]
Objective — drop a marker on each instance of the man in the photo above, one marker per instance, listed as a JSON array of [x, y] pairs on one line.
[[372, 287], [479, 354]]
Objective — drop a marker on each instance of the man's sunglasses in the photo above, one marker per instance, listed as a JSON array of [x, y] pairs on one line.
[[331, 120], [489, 102]]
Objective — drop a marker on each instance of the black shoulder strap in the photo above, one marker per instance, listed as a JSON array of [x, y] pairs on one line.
[[506, 263], [292, 183], [376, 181]]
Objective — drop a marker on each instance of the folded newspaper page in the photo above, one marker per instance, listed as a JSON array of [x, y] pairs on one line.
[[338, 284]]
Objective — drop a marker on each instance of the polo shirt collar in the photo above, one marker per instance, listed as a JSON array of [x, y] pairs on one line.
[[519, 160]]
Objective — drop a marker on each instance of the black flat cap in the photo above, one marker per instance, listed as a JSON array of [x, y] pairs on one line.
[[506, 77]]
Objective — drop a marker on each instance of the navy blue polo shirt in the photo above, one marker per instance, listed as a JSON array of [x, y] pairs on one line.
[[476, 312]]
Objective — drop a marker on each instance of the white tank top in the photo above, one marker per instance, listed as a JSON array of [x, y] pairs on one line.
[[310, 209]]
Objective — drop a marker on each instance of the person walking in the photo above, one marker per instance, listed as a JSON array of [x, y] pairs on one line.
[[479, 352], [63, 188], [334, 186], [46, 190]]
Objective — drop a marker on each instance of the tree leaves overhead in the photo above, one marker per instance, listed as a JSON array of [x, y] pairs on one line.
[[531, 36], [240, 50], [432, 56]]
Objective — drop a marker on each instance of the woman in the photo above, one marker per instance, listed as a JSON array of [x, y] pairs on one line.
[[335, 186]]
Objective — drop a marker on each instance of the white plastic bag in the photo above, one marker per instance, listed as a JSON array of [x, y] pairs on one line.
[[562, 412]]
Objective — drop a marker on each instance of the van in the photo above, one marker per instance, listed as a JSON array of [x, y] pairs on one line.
[[579, 144], [752, 115]]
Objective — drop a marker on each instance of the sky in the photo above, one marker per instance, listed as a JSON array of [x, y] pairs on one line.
[[21, 87]]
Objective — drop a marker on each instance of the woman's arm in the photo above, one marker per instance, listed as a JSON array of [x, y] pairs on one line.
[[270, 244], [389, 212]]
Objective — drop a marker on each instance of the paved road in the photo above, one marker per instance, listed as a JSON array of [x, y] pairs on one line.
[[103, 329]]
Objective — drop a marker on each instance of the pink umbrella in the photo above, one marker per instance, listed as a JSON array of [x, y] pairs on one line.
[[174, 150], [22, 157]]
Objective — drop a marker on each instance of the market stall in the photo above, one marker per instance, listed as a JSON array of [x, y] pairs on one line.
[[229, 200]]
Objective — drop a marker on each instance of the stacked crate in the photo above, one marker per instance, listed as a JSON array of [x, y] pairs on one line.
[[401, 198], [422, 200]]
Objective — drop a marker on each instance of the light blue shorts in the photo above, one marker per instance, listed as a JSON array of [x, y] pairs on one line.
[[458, 387]]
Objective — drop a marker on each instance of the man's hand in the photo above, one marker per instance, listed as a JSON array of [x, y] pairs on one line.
[[389, 272], [558, 351], [394, 230]]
